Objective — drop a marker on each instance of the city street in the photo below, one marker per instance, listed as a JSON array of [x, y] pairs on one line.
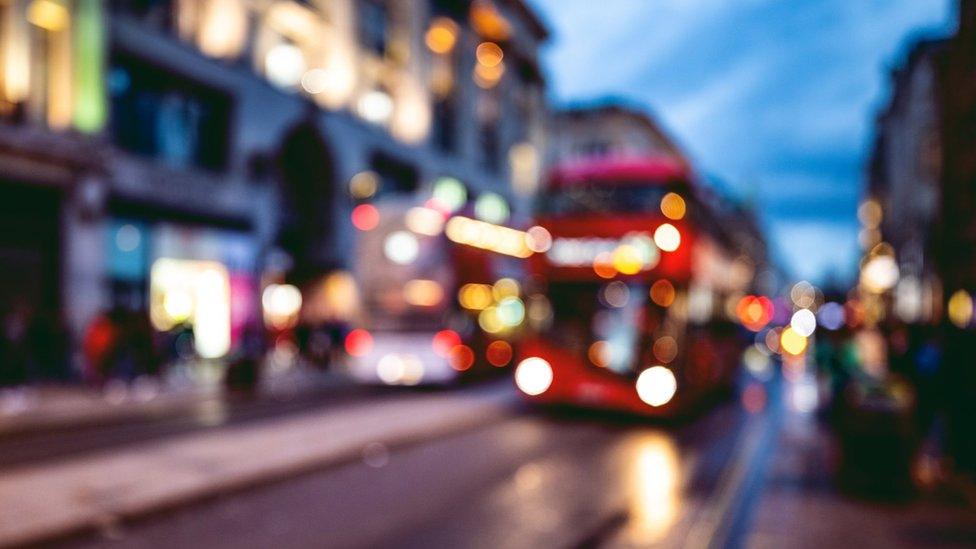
[[487, 273], [524, 478]]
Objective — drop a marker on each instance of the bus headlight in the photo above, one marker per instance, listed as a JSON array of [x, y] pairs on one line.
[[533, 376], [656, 385]]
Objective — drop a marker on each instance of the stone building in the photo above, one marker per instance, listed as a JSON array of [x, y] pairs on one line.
[[905, 179], [606, 128], [195, 146]]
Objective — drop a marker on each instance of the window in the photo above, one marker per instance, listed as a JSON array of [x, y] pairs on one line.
[[445, 125], [159, 14], [289, 47], [161, 115], [490, 146], [441, 39], [373, 20], [36, 63], [593, 149], [396, 177], [603, 199]]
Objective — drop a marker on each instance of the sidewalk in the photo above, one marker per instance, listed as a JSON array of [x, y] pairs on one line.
[[63, 407], [96, 491], [801, 506]]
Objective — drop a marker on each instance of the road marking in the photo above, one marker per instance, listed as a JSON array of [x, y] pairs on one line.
[[719, 514]]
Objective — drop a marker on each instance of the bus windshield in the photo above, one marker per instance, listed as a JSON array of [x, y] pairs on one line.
[[608, 323], [403, 280], [601, 198]]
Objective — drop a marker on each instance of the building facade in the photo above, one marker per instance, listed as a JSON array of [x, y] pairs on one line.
[[606, 128], [155, 154], [902, 213], [922, 195]]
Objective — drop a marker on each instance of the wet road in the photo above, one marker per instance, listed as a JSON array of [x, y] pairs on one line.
[[530, 480]]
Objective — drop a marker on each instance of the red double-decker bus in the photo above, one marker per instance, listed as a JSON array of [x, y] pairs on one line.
[[636, 274]]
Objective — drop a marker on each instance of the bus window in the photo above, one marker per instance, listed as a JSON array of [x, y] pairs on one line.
[[603, 199]]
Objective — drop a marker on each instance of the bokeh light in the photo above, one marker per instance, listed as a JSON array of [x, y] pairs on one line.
[[804, 322], [461, 358], [673, 206], [491, 208], [449, 194], [662, 293], [960, 309], [665, 349], [445, 341], [499, 353], [401, 247], [831, 315], [365, 217], [667, 237], [441, 36], [792, 343], [656, 385], [359, 343], [538, 239], [533, 376]]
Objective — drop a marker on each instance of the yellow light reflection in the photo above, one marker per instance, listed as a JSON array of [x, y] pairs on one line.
[[654, 483]]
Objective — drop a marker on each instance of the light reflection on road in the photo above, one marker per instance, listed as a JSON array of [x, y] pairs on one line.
[[654, 482]]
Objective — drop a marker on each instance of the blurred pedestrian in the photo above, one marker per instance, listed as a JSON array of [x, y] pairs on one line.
[[134, 351], [98, 348]]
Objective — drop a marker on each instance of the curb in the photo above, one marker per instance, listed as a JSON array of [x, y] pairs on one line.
[[474, 412]]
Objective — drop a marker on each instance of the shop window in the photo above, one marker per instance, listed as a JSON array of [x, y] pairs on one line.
[[289, 47], [445, 125], [195, 293], [163, 116], [36, 62]]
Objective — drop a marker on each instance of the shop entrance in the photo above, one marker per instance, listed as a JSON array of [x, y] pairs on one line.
[[30, 248]]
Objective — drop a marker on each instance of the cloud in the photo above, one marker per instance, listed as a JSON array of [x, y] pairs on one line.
[[775, 96]]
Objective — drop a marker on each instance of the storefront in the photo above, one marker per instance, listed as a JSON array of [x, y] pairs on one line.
[[30, 246], [186, 276]]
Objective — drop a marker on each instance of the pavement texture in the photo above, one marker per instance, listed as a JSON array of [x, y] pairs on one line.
[[469, 467], [802, 505], [95, 490], [515, 480]]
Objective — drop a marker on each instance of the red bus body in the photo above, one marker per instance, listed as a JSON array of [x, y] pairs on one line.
[[704, 364]]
